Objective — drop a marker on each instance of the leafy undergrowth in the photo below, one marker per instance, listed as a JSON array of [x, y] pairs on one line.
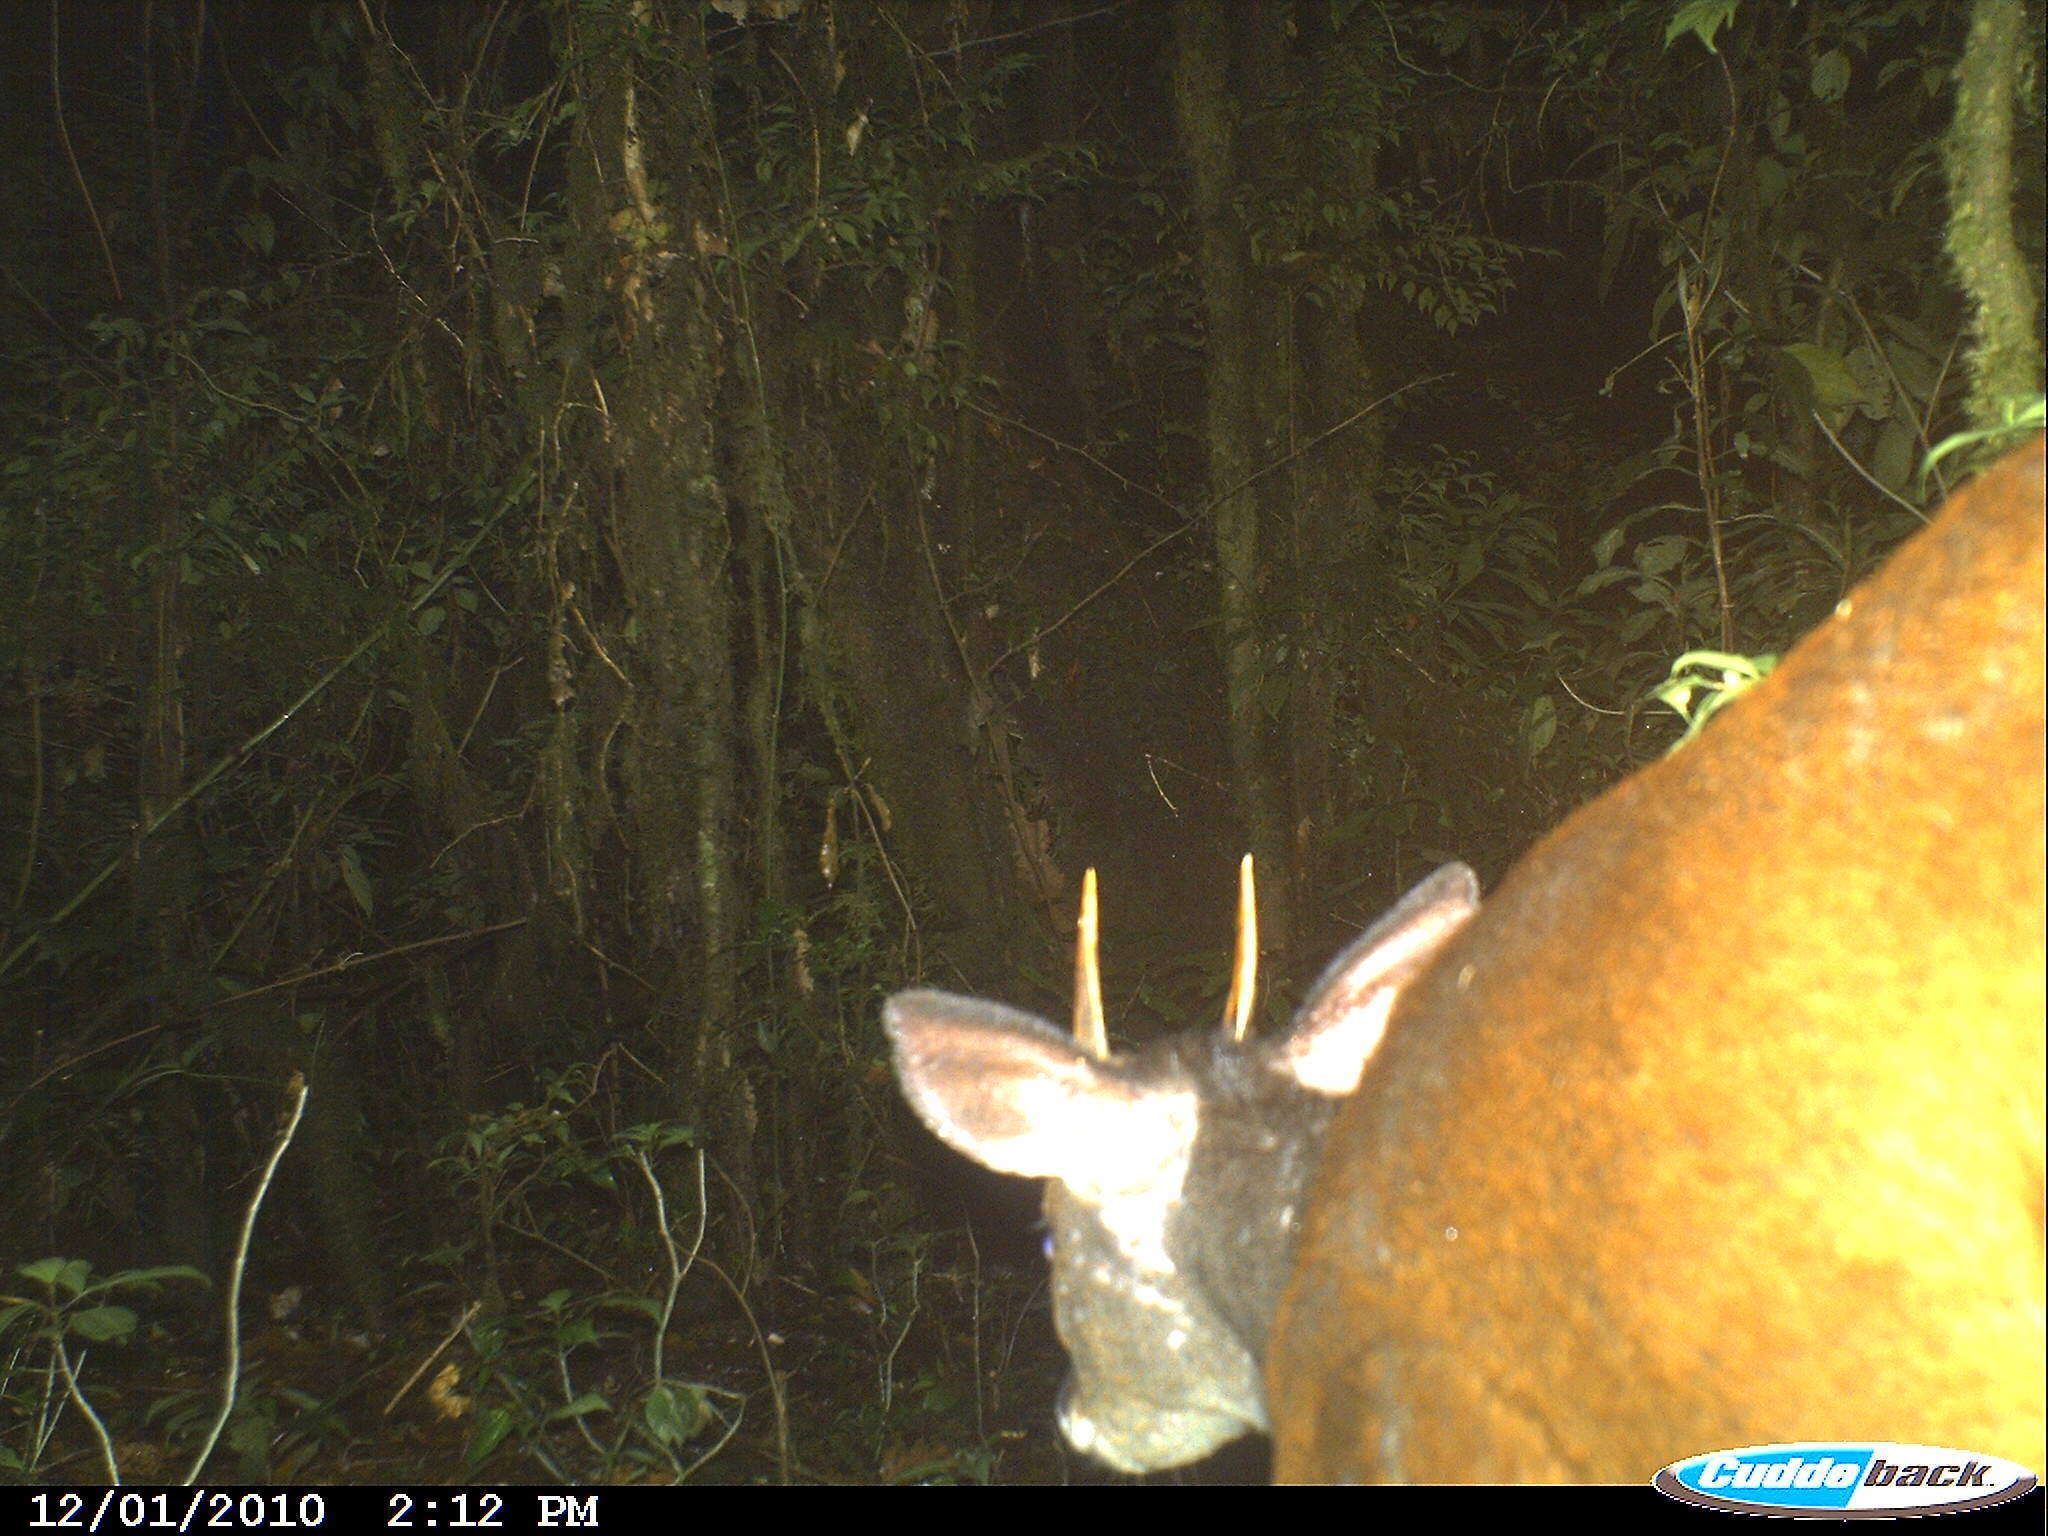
[[584, 1325], [915, 1372]]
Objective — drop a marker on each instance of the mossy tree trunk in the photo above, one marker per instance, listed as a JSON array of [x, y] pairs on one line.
[[2006, 364], [647, 189]]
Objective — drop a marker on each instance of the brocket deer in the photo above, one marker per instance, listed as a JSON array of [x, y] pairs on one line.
[[1720, 1124]]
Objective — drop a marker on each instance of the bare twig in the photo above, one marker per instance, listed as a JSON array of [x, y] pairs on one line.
[[231, 1375]]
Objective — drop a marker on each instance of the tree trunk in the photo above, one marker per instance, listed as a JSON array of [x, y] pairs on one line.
[[1232, 432]]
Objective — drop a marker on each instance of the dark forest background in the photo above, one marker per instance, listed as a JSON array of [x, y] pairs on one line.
[[552, 554]]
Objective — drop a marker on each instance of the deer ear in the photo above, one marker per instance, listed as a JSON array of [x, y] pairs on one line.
[[1016, 1095], [1344, 1018]]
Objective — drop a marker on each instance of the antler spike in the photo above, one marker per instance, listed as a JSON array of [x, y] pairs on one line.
[[1244, 970], [1088, 1026]]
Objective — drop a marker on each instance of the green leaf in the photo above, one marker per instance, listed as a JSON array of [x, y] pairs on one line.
[[674, 1412], [1471, 562], [1829, 80], [646, 1306], [1539, 725], [65, 1275], [1656, 556], [155, 1273], [492, 1426], [357, 882], [1834, 382], [1702, 18], [102, 1325], [580, 1406], [1772, 181]]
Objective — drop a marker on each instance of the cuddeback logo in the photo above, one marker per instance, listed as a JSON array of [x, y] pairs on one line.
[[1819, 1479]]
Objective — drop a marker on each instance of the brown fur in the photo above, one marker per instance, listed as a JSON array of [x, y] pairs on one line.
[[1722, 1123]]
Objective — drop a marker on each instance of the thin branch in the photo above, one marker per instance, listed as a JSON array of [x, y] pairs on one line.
[[71, 157], [231, 1375]]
